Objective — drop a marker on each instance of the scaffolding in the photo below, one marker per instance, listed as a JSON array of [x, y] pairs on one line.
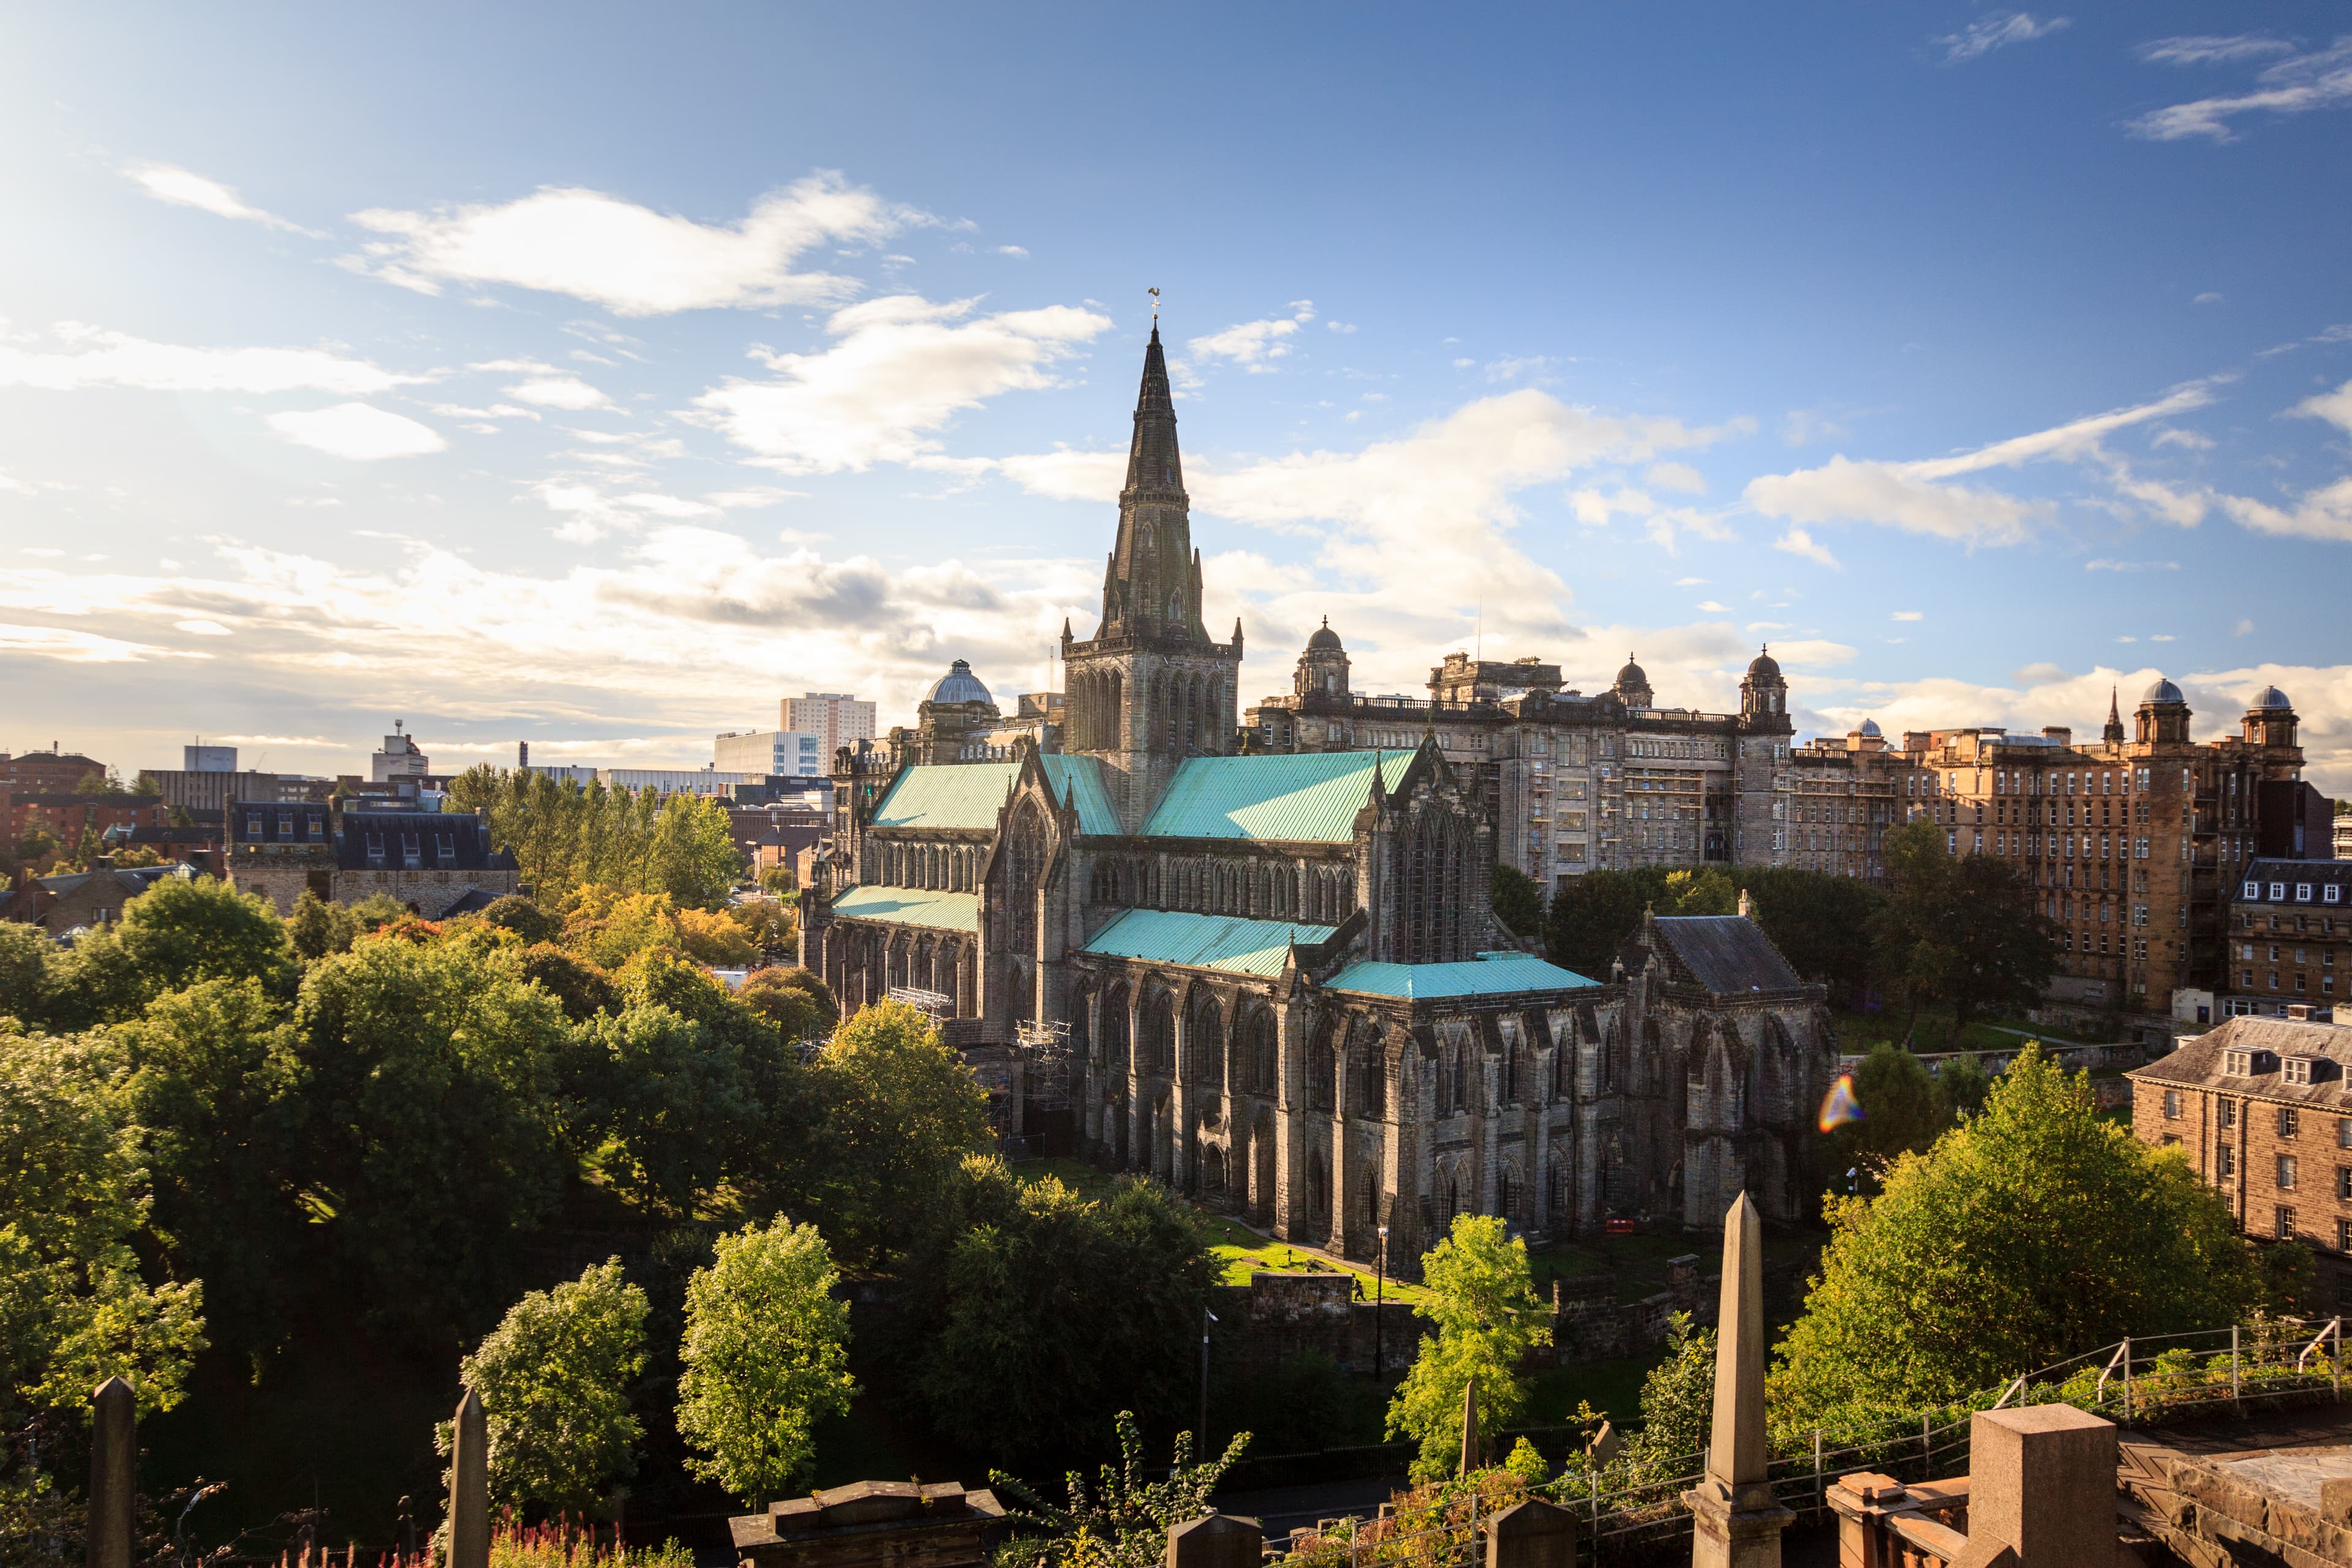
[[938, 1003], [1045, 1052]]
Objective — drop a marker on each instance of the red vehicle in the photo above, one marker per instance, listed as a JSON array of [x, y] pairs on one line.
[[1617, 1226]]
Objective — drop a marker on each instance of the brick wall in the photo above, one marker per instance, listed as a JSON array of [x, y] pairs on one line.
[[2235, 1143]]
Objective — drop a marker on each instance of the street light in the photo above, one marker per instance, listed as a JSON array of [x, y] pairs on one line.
[[1207, 1317], [1379, 1295]]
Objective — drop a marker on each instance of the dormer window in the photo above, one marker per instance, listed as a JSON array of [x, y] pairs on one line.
[[2253, 890], [285, 824], [445, 846], [410, 850], [2298, 1069], [253, 824], [375, 848], [2303, 892], [318, 826], [2278, 892], [2238, 1064]]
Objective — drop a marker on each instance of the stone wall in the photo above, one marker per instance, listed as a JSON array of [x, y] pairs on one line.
[[1589, 1323]]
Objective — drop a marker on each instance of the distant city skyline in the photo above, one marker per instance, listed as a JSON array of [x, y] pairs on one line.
[[602, 388]]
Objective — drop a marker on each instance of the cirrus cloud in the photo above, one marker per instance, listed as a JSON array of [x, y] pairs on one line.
[[95, 358], [358, 431]]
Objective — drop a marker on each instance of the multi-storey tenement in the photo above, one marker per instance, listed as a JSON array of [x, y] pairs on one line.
[[2263, 1111], [2289, 937]]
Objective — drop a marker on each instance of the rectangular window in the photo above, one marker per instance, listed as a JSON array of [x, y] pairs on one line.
[[2172, 1105], [2298, 1071], [2288, 1120], [2343, 1235], [2286, 1231], [2287, 1172], [2229, 1114], [2344, 1183], [2225, 1161]]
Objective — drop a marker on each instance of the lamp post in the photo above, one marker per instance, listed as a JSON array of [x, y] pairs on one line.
[[1379, 1295]]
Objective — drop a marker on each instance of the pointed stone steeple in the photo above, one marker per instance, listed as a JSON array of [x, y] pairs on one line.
[[1152, 586], [2114, 733]]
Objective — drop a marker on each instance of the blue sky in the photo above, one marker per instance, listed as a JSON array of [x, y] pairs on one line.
[[597, 376]]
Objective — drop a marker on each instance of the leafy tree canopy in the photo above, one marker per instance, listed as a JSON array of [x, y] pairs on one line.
[[172, 936], [1519, 902], [901, 1113], [1488, 1319], [554, 1378], [2031, 1231], [1903, 1111], [766, 1355]]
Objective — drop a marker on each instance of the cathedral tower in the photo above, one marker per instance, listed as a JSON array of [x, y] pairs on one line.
[[1149, 688]]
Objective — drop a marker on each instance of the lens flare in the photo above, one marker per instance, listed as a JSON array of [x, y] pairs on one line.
[[1839, 1106]]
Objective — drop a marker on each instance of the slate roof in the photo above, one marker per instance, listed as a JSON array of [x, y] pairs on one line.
[[1489, 974], [2198, 1064], [2290, 875], [1225, 942], [910, 906], [473, 902], [415, 840], [132, 880], [1310, 798], [1725, 954], [969, 794]]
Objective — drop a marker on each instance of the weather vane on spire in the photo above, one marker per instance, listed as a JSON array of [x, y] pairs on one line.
[[1155, 307]]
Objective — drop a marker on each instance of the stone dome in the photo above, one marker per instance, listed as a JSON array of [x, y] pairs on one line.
[[1633, 674], [1324, 641], [1870, 730], [958, 685], [2269, 697], [2162, 692], [1764, 666]]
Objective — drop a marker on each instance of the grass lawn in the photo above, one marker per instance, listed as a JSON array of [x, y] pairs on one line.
[[1239, 1251]]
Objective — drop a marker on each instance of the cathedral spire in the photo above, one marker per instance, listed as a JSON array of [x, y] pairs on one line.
[[1152, 586], [2115, 729]]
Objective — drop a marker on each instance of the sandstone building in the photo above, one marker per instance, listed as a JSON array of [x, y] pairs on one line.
[[1276, 979], [435, 862]]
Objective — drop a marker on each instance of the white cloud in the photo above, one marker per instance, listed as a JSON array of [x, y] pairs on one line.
[[1676, 477], [71, 646], [2321, 80], [1014, 251], [565, 391], [1690, 582], [2187, 440], [2207, 50], [1253, 345], [630, 258], [2001, 29], [2336, 406], [202, 628], [1712, 608], [358, 431], [2323, 513], [2104, 565], [170, 183], [1916, 498], [1797, 542], [1909, 616], [98, 358], [1342, 326], [2208, 298], [901, 369]]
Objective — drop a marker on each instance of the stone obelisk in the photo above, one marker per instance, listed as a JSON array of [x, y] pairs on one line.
[[1735, 1522]]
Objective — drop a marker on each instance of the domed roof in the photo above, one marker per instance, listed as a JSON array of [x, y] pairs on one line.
[[1764, 665], [958, 685], [1870, 730], [1324, 639], [2269, 696], [2162, 692], [1633, 674]]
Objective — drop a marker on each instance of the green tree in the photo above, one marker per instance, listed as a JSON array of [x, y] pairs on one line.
[[172, 936], [579, 986], [1904, 1110], [901, 1113], [658, 1104], [766, 1355], [692, 856], [74, 1309], [211, 1081], [1488, 1319], [793, 999], [1961, 929], [431, 1132], [525, 919], [1519, 902], [317, 928], [1592, 915], [1677, 1403], [554, 1378], [2031, 1231], [1031, 1313], [1706, 891], [29, 972], [1965, 1083]]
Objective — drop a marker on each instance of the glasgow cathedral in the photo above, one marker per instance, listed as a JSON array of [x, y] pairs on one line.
[[1276, 979]]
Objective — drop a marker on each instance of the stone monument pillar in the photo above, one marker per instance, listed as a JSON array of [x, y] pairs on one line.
[[113, 1479], [469, 1486], [1735, 1522]]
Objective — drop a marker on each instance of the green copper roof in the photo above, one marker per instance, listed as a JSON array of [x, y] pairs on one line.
[[1310, 798], [1489, 974], [910, 907], [969, 794], [1203, 942]]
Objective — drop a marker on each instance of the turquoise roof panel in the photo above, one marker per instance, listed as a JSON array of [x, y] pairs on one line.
[[1311, 798], [952, 794], [1489, 974], [910, 907], [969, 794], [1224, 942], [1080, 778]]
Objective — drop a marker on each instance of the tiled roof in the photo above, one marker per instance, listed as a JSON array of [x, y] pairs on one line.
[[911, 906], [2199, 1062], [1489, 974], [412, 840], [969, 794], [1312, 797], [1725, 954], [1224, 942]]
